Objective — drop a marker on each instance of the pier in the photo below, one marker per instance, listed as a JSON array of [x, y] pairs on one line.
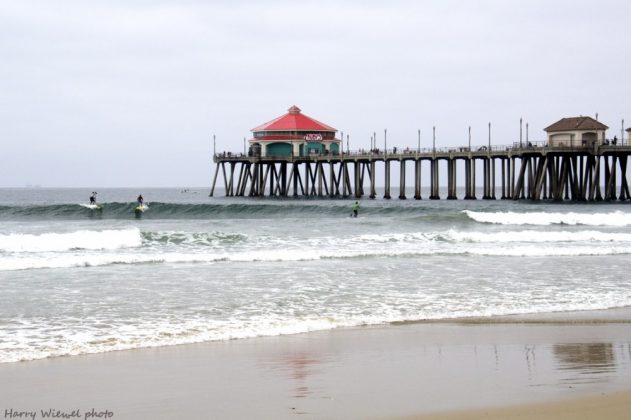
[[532, 171], [296, 155]]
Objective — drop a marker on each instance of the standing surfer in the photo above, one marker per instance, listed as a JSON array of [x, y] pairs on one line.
[[93, 198], [355, 209], [140, 201]]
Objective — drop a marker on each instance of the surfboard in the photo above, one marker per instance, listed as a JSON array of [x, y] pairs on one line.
[[141, 209], [92, 206]]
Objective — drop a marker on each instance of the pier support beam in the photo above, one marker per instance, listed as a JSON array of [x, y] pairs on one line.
[[505, 179], [492, 175], [434, 181], [212, 189], [451, 180], [468, 185], [417, 179], [486, 179], [386, 193], [358, 188], [402, 180], [373, 176]]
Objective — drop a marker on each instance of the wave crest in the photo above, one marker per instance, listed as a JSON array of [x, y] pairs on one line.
[[616, 218], [82, 239]]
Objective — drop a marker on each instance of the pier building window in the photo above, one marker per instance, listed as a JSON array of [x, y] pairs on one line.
[[279, 149]]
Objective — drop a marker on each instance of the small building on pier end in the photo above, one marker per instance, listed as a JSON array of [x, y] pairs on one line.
[[576, 132], [293, 134]]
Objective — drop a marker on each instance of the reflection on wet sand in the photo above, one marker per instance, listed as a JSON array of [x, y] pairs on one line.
[[299, 366], [585, 362], [425, 367]]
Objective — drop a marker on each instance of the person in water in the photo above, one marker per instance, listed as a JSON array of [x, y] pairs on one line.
[[93, 198], [355, 208], [141, 200]]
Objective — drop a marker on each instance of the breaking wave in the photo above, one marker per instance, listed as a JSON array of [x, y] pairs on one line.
[[616, 218], [91, 248], [79, 240]]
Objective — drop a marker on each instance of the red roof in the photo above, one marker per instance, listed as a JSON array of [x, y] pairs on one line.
[[294, 120]]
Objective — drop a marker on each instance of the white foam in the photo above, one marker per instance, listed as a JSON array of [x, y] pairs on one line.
[[403, 250], [616, 218], [82, 239], [549, 251], [43, 342], [538, 236], [19, 347]]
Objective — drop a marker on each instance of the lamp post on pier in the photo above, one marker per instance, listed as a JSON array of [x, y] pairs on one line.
[[489, 137], [385, 141], [342, 142], [469, 138]]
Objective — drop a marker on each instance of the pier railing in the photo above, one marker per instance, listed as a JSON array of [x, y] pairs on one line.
[[396, 153]]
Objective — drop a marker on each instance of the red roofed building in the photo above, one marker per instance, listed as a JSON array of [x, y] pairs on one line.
[[294, 134]]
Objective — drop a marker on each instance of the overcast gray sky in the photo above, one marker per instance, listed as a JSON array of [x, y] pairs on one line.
[[129, 93]]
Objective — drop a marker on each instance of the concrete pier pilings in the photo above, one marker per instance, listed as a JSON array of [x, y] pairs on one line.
[[533, 173]]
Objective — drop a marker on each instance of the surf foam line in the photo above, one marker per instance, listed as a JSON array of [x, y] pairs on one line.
[[82, 239], [201, 240], [616, 218], [51, 261], [147, 334], [535, 236], [162, 335]]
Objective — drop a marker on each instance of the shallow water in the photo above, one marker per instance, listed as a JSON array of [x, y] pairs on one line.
[[194, 268]]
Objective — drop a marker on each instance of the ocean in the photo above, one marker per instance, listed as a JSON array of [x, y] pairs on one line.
[[193, 268]]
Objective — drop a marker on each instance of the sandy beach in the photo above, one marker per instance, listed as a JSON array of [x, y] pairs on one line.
[[315, 210], [512, 367], [612, 406]]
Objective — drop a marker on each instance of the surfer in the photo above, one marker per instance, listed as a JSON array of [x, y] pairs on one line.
[[93, 198], [355, 209], [140, 200]]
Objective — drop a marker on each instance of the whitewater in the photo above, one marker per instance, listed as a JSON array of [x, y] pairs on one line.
[[194, 268]]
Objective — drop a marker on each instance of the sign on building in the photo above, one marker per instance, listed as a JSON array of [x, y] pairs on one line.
[[313, 137]]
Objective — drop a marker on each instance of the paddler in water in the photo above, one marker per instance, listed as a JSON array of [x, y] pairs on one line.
[[355, 209]]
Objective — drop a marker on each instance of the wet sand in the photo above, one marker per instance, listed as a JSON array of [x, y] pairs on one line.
[[610, 406], [439, 369]]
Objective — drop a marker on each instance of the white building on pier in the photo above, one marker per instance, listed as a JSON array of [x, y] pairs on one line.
[[576, 132]]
